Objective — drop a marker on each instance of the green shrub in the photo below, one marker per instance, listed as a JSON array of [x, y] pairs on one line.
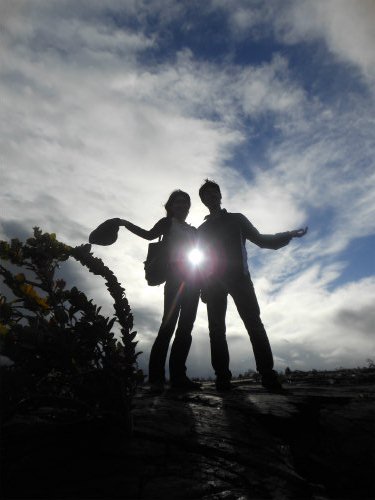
[[64, 353]]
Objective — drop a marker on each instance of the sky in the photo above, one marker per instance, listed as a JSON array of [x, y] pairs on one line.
[[107, 106]]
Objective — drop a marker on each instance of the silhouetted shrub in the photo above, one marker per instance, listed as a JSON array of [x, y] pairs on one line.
[[64, 353]]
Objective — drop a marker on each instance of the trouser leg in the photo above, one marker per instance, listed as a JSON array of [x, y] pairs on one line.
[[160, 347], [182, 341], [247, 305], [216, 311]]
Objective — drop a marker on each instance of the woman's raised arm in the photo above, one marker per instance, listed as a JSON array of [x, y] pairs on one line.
[[150, 234]]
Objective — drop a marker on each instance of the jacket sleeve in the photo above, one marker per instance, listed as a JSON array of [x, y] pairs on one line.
[[271, 241], [158, 230]]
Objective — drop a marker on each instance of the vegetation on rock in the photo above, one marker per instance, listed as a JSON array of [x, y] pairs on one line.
[[63, 352]]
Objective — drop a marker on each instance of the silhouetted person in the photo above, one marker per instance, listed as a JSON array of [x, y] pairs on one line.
[[181, 293], [222, 238]]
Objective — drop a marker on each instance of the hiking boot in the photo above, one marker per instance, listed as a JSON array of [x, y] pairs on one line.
[[271, 382], [223, 385], [157, 387], [185, 384]]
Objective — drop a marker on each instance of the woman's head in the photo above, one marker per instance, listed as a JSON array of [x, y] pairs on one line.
[[178, 204]]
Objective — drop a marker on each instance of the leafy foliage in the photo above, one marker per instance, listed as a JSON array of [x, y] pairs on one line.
[[63, 350]]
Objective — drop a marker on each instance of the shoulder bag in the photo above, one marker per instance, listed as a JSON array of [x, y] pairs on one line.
[[156, 263]]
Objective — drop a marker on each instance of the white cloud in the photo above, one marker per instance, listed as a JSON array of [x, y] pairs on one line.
[[310, 326], [268, 88], [346, 27], [320, 322]]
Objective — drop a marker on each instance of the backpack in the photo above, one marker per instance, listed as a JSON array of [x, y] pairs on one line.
[[156, 263]]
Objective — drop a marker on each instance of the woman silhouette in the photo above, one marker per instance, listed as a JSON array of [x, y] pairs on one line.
[[181, 293]]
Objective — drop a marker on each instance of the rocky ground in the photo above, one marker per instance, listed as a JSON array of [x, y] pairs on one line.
[[315, 441]]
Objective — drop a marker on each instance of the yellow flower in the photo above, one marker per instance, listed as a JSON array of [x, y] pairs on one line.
[[43, 303], [30, 291]]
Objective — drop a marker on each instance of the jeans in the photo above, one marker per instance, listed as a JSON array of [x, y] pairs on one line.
[[242, 291], [180, 303]]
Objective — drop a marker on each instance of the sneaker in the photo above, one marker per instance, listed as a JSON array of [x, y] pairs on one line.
[[271, 382], [185, 384], [223, 385]]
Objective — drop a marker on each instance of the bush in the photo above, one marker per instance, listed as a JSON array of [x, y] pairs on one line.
[[64, 353]]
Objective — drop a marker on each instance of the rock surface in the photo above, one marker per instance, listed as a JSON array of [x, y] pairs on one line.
[[315, 441]]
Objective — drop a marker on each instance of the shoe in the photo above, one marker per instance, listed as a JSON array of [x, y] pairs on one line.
[[157, 387], [223, 385], [185, 384], [271, 382]]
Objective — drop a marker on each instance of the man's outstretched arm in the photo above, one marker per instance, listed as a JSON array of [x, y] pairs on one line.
[[298, 233], [271, 241]]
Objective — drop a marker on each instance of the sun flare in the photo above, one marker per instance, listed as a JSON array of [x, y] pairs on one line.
[[195, 257]]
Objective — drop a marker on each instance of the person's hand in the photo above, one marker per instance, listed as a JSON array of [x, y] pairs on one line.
[[123, 222], [114, 222], [298, 233]]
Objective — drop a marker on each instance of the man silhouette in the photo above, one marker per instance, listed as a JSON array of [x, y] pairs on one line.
[[222, 238]]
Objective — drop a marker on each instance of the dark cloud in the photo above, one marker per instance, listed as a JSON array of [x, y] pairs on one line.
[[360, 321], [60, 222], [146, 322], [236, 337], [297, 356], [54, 217], [13, 228]]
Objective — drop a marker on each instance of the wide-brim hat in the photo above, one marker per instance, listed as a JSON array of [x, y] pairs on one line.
[[105, 234]]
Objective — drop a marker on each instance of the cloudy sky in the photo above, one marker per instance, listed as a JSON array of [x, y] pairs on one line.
[[109, 105]]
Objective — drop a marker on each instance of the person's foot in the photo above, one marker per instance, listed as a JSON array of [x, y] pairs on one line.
[[223, 385], [157, 387], [185, 384], [271, 382]]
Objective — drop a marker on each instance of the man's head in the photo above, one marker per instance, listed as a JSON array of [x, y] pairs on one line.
[[210, 194]]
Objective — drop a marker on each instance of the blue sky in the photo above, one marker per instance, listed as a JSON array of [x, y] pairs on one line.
[[108, 106]]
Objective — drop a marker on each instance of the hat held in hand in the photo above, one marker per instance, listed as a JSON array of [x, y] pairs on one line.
[[106, 233]]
